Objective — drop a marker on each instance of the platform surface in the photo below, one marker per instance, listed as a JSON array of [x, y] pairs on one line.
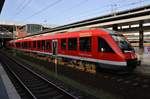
[[3, 93], [7, 90], [145, 63]]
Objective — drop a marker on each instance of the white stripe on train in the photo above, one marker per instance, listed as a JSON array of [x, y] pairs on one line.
[[85, 59], [95, 60]]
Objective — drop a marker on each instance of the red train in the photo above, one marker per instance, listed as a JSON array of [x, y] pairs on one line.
[[103, 48]]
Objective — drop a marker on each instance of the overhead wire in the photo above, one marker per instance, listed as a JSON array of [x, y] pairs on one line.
[[44, 9], [129, 4], [23, 7], [20, 4], [106, 10], [75, 7], [53, 4], [79, 4]]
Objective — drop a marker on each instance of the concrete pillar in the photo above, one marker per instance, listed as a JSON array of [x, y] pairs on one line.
[[141, 36], [129, 26], [120, 27], [115, 27]]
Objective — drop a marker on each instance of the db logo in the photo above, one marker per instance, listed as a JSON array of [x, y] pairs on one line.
[[148, 49]]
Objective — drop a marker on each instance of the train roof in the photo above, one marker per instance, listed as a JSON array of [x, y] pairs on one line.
[[81, 33]]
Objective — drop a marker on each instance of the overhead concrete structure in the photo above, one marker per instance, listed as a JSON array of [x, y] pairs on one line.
[[10, 30], [11, 26], [128, 17], [1, 4]]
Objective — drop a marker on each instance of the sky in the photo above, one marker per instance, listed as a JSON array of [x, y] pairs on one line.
[[61, 12]]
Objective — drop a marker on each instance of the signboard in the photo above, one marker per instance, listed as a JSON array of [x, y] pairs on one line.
[[147, 49], [33, 28]]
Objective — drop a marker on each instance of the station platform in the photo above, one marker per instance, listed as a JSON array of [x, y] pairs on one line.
[[144, 68], [7, 90]]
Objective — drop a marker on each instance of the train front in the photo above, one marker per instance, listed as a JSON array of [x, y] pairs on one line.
[[127, 50]]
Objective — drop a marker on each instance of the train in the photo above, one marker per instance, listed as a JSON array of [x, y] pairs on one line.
[[98, 47]]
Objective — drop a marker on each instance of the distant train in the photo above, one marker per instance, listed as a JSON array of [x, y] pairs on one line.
[[99, 47]]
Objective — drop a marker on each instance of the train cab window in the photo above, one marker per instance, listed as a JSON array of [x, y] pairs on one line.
[[48, 45], [72, 44], [43, 44], [63, 44], [39, 44], [34, 44], [103, 46], [85, 44]]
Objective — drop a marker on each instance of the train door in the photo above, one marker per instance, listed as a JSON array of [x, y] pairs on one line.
[[105, 52], [54, 47]]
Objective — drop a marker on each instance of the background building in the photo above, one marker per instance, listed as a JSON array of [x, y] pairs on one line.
[[29, 29]]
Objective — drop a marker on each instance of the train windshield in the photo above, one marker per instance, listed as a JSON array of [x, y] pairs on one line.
[[122, 42]]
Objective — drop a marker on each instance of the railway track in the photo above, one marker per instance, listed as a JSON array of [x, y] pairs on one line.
[[35, 85], [125, 86]]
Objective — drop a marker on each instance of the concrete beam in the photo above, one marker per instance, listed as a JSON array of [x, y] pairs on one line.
[[134, 29], [120, 22], [115, 27]]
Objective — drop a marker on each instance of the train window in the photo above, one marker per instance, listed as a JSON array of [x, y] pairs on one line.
[[25, 44], [34, 44], [103, 46], [63, 44], [38, 44], [29, 44], [48, 45], [43, 44], [18, 45], [72, 44], [85, 43], [22, 44]]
